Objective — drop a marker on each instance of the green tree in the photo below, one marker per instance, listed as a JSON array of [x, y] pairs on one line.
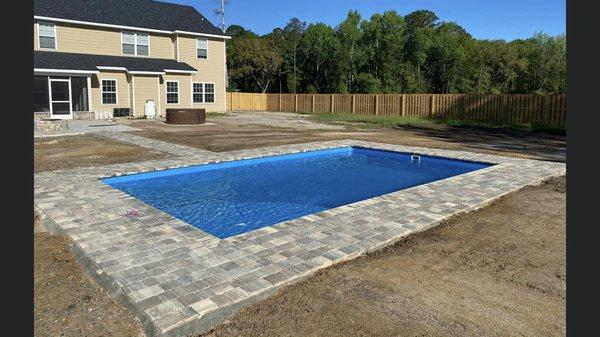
[[292, 33], [547, 63], [320, 48], [367, 84], [421, 19], [235, 30], [503, 64], [417, 53], [420, 30], [383, 38], [253, 62], [449, 68], [351, 55], [279, 41]]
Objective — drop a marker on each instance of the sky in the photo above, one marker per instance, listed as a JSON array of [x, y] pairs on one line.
[[483, 19]]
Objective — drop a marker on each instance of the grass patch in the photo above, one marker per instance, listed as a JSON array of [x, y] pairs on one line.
[[398, 121], [551, 130], [383, 121], [216, 114]]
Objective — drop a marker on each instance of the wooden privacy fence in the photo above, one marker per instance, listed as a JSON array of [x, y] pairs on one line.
[[548, 110]]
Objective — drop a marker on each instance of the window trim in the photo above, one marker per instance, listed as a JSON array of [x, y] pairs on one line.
[[167, 91], [102, 92], [201, 93], [214, 93], [197, 39], [39, 36], [135, 43]]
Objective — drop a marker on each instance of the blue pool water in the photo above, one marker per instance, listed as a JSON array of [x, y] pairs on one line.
[[226, 199]]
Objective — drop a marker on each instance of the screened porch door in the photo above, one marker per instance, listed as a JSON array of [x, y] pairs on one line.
[[60, 99]]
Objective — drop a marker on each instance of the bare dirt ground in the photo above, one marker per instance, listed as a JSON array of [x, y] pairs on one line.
[[56, 153], [66, 301], [235, 131], [499, 271]]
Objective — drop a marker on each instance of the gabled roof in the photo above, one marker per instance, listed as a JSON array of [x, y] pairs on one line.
[[88, 62], [147, 14]]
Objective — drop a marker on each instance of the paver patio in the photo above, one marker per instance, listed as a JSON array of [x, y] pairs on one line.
[[179, 279]]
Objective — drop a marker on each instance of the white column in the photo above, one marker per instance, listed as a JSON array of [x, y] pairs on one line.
[[159, 112], [226, 77], [89, 88], [177, 46], [50, 95], [133, 93]]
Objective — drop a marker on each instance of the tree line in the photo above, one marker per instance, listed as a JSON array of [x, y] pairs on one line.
[[390, 53]]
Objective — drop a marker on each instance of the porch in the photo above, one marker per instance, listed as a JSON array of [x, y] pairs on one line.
[[61, 96], [82, 86]]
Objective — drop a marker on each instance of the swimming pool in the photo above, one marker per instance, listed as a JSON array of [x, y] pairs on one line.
[[230, 198]]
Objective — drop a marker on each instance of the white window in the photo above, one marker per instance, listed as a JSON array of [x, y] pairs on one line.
[[209, 92], [47, 35], [142, 44], [202, 48], [172, 92], [198, 94], [135, 43], [109, 91], [203, 92]]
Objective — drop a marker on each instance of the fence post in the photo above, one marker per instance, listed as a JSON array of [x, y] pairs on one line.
[[353, 104], [431, 105], [296, 103], [506, 110], [280, 102], [403, 105], [332, 96], [376, 104], [542, 110], [313, 103]]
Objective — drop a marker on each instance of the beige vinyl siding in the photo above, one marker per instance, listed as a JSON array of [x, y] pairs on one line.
[[185, 92], [146, 87], [210, 70], [72, 38], [122, 91], [88, 40], [102, 41], [161, 46]]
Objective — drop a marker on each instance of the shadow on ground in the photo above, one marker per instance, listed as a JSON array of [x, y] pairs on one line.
[[237, 131], [539, 145]]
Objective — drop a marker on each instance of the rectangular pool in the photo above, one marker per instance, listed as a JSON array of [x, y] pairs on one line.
[[230, 198]]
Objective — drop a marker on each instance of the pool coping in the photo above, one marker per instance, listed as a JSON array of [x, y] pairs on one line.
[[179, 280], [254, 161]]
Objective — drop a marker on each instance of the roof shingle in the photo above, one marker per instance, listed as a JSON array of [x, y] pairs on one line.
[[75, 61], [135, 13]]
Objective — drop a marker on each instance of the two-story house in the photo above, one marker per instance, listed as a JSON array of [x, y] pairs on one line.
[[101, 55]]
